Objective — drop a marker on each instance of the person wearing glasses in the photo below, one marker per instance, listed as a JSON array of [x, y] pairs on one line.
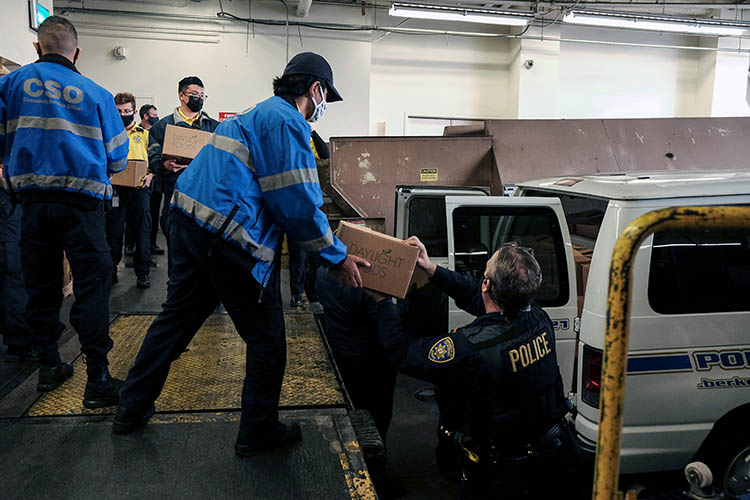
[[132, 203], [189, 114], [498, 384]]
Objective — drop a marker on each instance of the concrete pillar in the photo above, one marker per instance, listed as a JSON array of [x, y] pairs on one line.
[[723, 86]]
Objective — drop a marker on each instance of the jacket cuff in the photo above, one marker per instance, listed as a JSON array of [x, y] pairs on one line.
[[442, 276]]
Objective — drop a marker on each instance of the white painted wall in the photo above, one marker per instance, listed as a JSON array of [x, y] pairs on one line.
[[234, 80], [17, 38], [438, 76], [730, 96], [236, 67], [386, 80], [610, 81]]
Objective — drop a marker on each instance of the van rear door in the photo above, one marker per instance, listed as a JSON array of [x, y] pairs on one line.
[[478, 226]]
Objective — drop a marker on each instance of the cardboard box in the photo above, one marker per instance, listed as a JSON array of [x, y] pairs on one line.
[[182, 144], [582, 276], [587, 230], [392, 262], [132, 175]]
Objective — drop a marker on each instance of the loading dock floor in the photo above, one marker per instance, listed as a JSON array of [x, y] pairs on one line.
[[25, 441]]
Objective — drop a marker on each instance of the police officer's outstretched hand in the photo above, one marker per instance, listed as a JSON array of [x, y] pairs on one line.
[[348, 272], [423, 260]]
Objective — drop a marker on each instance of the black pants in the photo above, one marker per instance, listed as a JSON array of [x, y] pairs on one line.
[[205, 271], [370, 382], [13, 324], [297, 268], [168, 190], [155, 206], [133, 205], [48, 229]]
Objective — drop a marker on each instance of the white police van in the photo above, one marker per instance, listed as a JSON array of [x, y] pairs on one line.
[[689, 356]]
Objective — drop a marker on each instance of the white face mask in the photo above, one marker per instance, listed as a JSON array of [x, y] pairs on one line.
[[320, 108]]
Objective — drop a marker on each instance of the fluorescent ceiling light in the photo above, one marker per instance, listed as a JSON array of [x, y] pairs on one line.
[[657, 23], [469, 15]]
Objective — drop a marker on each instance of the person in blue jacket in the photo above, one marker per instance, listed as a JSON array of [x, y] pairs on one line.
[[255, 180], [60, 138]]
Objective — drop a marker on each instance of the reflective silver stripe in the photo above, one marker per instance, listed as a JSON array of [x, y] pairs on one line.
[[288, 178], [317, 244], [117, 141], [55, 124], [234, 148], [60, 181], [154, 146], [116, 167], [216, 220]]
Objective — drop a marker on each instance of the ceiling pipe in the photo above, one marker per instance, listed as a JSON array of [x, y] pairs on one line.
[[403, 30], [526, 3], [303, 8]]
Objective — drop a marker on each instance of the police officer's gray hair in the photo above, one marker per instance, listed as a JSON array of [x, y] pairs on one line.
[[515, 278], [57, 35]]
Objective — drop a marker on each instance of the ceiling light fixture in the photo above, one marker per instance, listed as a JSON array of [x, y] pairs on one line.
[[649, 22], [469, 15]]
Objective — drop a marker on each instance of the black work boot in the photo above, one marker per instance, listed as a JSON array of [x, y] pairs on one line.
[[52, 377], [248, 445], [101, 389], [127, 421]]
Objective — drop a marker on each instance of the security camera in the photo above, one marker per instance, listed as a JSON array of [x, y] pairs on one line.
[[528, 63]]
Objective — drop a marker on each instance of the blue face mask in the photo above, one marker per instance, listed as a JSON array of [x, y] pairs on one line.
[[153, 119]]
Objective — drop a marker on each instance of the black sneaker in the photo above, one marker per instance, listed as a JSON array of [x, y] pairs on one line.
[[280, 435], [296, 300], [157, 250], [127, 421], [129, 251], [52, 377], [102, 392], [143, 282]]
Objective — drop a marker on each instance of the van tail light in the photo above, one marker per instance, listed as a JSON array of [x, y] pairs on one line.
[[592, 376]]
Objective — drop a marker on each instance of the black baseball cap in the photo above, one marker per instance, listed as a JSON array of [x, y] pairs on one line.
[[309, 63]]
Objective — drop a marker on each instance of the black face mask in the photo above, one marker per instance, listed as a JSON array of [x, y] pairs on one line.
[[127, 119], [153, 119], [195, 104]]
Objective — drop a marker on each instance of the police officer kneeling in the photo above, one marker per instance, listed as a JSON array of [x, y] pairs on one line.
[[500, 372]]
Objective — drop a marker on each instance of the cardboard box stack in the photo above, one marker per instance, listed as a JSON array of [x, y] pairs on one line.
[[582, 257], [182, 144], [392, 262], [132, 175]]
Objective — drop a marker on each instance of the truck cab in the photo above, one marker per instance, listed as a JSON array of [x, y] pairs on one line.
[[688, 371]]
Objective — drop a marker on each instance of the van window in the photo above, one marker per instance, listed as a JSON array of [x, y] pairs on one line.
[[583, 215], [427, 222], [480, 231], [700, 271]]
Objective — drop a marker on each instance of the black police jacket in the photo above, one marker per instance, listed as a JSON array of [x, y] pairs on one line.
[[500, 374]]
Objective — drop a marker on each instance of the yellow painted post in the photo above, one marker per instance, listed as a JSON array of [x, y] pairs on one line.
[[616, 337]]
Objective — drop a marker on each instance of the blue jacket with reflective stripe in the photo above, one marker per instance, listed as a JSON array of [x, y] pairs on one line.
[[258, 167], [59, 131]]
